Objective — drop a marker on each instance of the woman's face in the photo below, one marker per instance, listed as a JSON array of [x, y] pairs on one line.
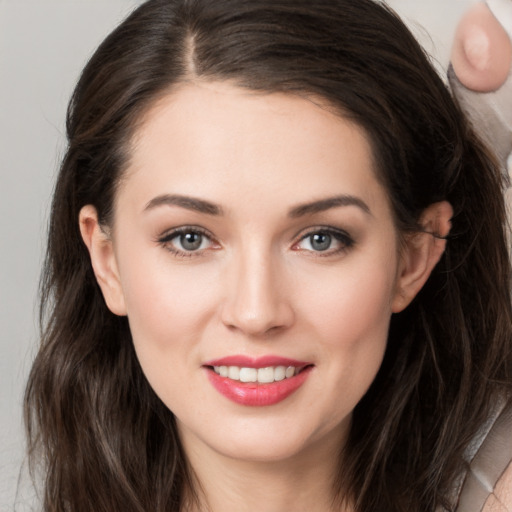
[[252, 240]]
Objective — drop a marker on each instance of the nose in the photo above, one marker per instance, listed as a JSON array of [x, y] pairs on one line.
[[257, 301]]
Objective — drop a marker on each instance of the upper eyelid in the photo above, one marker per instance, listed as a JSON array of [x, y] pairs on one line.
[[304, 233], [173, 232]]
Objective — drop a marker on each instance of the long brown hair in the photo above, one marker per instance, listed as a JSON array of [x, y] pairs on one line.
[[105, 441]]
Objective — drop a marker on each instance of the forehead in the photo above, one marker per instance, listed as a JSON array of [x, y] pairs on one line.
[[218, 139]]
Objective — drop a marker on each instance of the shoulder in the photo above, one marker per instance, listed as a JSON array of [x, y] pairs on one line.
[[487, 485]]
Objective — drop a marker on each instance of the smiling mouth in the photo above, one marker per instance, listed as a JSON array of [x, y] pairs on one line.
[[264, 386], [265, 375]]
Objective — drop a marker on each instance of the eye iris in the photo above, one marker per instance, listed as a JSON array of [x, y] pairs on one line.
[[320, 241], [191, 241]]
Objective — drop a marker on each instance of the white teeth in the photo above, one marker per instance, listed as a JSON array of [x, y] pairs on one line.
[[261, 375], [280, 373], [248, 375], [234, 372], [265, 375], [290, 372]]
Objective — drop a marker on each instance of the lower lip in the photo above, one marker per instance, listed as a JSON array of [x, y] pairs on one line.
[[255, 394]]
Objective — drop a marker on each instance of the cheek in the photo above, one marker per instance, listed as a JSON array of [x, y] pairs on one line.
[[167, 313], [168, 307], [350, 313], [352, 306]]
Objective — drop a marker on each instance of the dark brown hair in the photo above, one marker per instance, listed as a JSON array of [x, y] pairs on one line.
[[106, 442]]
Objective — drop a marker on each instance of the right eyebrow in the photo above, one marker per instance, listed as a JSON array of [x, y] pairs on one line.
[[187, 202]]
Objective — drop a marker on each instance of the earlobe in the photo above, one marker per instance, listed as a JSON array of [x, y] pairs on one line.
[[103, 259], [421, 253]]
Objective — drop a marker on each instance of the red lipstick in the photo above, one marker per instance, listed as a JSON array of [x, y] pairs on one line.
[[256, 362], [256, 393]]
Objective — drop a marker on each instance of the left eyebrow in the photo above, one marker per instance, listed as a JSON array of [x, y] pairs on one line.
[[328, 203]]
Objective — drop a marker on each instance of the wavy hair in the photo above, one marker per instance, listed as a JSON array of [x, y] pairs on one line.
[[103, 439]]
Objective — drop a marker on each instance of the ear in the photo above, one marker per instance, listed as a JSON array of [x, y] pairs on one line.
[[103, 259], [421, 253]]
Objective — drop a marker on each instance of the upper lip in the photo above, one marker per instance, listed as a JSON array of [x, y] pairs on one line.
[[256, 362]]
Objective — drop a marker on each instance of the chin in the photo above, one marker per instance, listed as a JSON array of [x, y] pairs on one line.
[[265, 440]]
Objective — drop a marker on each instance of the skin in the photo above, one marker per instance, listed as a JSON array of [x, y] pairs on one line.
[[257, 285], [482, 50], [500, 500]]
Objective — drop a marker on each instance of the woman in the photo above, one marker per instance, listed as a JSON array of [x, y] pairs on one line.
[[277, 273]]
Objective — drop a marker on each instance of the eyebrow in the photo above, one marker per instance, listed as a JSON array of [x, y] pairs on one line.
[[202, 206], [328, 203], [190, 203]]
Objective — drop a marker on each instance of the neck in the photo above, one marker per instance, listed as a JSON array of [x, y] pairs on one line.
[[303, 482]]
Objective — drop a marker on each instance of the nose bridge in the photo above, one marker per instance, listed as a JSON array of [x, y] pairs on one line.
[[256, 301]]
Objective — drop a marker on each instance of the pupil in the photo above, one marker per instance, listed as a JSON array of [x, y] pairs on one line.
[[191, 241], [320, 241]]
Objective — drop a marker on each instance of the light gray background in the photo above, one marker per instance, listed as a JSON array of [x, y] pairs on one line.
[[43, 46]]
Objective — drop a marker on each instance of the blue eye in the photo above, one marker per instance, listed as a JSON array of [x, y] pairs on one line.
[[186, 241], [190, 241], [320, 241], [329, 241]]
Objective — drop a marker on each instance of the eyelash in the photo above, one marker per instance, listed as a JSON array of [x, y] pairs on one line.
[[338, 235], [342, 237], [166, 241]]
